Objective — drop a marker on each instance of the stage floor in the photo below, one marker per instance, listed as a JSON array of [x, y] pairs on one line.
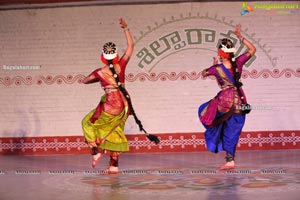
[[263, 175]]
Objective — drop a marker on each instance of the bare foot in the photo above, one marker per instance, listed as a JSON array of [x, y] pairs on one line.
[[96, 158], [228, 165], [112, 170]]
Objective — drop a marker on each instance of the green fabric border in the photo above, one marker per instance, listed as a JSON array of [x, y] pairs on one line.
[[121, 147]]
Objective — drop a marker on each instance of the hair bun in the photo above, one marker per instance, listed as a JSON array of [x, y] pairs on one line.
[[109, 51]]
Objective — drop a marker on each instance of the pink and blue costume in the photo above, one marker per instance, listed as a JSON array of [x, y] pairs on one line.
[[220, 116]]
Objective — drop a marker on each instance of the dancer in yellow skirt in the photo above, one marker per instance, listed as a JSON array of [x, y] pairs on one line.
[[103, 127]]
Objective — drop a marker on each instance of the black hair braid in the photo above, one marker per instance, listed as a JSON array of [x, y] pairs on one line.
[[124, 92], [228, 43], [236, 73], [126, 95], [239, 84]]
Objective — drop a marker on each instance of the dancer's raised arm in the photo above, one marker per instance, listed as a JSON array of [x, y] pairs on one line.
[[247, 43], [130, 43]]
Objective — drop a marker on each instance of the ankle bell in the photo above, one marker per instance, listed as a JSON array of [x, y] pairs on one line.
[[229, 158], [94, 151]]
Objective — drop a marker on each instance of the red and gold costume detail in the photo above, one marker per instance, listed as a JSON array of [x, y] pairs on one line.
[[103, 127]]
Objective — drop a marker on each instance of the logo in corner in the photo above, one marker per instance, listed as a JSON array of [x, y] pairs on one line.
[[246, 9]]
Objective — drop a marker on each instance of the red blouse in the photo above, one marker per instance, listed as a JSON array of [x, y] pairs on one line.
[[106, 82]]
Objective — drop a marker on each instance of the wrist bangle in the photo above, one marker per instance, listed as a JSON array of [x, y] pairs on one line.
[[126, 29]]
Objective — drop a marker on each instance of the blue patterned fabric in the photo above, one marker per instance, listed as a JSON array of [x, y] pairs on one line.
[[225, 136]]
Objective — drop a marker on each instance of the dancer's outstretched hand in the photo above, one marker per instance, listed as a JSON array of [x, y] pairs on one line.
[[237, 31], [123, 23]]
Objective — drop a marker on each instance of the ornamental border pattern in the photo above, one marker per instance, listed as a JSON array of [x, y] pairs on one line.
[[170, 142], [162, 76]]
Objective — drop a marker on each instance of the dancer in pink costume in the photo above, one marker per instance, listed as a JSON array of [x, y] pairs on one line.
[[103, 127], [224, 116]]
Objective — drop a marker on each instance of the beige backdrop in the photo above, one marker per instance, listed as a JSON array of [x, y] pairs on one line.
[[46, 52]]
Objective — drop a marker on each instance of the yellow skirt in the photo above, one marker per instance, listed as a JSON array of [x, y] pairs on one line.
[[109, 128]]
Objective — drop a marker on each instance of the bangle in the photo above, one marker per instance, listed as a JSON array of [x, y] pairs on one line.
[[126, 28]]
